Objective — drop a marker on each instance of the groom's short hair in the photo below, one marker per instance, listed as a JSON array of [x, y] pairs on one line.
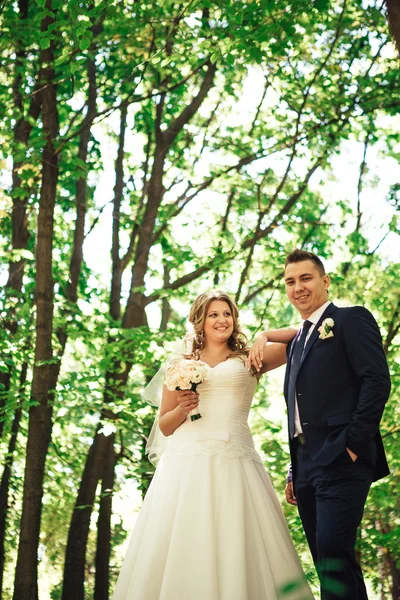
[[300, 255]]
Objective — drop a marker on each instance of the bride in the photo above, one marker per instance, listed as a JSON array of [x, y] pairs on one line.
[[211, 526]]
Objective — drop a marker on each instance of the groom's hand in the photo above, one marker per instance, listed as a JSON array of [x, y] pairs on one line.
[[353, 456], [289, 493]]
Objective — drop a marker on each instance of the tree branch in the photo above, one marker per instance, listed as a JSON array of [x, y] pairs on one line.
[[115, 296], [264, 93], [187, 113], [75, 265], [189, 277], [360, 179], [224, 228], [249, 258], [130, 99], [287, 207]]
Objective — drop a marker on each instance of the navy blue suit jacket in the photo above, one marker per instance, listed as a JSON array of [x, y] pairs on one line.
[[342, 387]]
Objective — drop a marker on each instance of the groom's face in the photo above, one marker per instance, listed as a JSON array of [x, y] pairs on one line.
[[306, 288]]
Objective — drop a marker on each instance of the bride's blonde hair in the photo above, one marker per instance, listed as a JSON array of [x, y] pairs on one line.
[[197, 316]]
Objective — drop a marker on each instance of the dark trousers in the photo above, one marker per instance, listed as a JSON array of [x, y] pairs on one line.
[[331, 501]]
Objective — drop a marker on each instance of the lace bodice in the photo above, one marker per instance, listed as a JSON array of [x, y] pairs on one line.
[[225, 401]]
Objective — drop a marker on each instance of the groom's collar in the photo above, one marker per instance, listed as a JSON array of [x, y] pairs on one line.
[[317, 314]]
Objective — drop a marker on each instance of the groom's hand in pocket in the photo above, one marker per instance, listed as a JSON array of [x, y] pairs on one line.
[[289, 493], [353, 456]]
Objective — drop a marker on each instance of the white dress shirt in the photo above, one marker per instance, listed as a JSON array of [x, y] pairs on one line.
[[314, 318]]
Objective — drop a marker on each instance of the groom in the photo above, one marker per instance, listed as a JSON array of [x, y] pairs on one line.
[[336, 386]]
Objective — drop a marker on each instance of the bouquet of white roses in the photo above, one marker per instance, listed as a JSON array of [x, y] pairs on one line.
[[186, 374]]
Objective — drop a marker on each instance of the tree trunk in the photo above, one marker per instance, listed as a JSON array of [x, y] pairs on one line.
[[81, 516], [166, 310], [117, 266], [83, 506], [134, 311], [103, 550], [40, 414], [395, 574], [19, 222], [5, 381], [53, 369], [393, 10], [5, 480], [74, 570], [76, 260], [81, 186], [23, 128], [19, 241], [391, 569]]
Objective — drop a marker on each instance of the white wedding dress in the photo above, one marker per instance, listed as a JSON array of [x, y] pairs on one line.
[[211, 526]]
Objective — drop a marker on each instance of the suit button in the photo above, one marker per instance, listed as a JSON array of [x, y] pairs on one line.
[[299, 393]]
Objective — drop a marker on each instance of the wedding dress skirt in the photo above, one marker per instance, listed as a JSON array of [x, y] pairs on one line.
[[211, 526]]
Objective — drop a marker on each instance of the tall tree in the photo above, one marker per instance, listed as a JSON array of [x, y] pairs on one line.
[[19, 243], [40, 413]]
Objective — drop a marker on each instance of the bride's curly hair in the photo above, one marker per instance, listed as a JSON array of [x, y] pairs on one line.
[[197, 316]]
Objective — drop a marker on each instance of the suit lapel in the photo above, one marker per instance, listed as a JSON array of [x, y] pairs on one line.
[[315, 333]]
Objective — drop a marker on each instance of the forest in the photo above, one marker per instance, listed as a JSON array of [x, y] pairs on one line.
[[151, 151]]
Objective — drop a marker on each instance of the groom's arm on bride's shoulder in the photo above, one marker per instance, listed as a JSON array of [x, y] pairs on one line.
[[363, 343], [175, 408], [263, 356]]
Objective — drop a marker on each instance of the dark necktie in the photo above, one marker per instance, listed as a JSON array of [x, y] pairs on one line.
[[294, 369]]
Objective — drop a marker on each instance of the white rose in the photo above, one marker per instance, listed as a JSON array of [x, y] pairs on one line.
[[184, 383]]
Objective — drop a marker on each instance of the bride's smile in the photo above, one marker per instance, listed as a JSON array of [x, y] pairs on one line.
[[218, 325]]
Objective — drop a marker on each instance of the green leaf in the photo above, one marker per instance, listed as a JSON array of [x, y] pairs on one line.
[[22, 253], [44, 43], [84, 43], [239, 16], [61, 59]]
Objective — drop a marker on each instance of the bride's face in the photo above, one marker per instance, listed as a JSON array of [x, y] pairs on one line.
[[218, 324]]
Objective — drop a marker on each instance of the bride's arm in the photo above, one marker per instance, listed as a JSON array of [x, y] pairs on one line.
[[175, 407], [260, 354]]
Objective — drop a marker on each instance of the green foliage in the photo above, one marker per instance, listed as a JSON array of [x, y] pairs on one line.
[[237, 190]]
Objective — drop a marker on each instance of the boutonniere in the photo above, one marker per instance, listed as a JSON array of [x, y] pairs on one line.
[[325, 331]]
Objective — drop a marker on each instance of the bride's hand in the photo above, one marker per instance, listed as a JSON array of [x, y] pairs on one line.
[[187, 400], [256, 351]]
